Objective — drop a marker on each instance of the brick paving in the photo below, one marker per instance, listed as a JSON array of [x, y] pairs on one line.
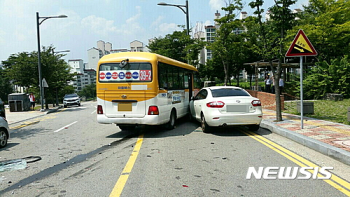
[[334, 134]]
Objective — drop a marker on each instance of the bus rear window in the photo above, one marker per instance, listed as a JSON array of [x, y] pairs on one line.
[[113, 72]]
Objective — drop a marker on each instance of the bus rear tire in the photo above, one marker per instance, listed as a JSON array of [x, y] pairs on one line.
[[171, 124]]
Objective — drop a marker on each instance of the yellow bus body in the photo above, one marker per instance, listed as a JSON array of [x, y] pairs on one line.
[[124, 99]]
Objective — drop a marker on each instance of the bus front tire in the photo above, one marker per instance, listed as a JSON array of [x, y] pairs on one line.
[[171, 124]]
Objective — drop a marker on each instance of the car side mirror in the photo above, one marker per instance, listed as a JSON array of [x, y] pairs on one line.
[[192, 98]]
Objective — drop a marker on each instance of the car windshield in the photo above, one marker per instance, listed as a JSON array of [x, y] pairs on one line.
[[70, 95], [223, 92]]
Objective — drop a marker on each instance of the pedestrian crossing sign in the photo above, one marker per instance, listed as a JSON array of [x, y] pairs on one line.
[[301, 46]]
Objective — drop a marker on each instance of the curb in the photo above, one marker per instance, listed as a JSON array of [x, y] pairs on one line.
[[326, 149], [54, 110], [43, 114]]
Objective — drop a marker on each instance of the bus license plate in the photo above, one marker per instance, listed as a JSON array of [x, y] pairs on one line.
[[124, 106]]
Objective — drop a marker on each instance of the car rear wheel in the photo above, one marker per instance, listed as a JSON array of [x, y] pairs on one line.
[[253, 127], [3, 138], [171, 124], [204, 125]]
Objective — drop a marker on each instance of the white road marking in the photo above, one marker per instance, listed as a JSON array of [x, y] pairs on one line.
[[65, 126], [76, 108], [93, 112]]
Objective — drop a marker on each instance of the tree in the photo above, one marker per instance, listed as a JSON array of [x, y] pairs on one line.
[[5, 86], [327, 25], [251, 37], [22, 70], [272, 35], [88, 91], [212, 69], [226, 46], [178, 46], [325, 78], [56, 72], [172, 45]]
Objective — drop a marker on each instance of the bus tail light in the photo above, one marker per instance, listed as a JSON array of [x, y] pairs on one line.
[[216, 104], [99, 109], [153, 110], [256, 103]]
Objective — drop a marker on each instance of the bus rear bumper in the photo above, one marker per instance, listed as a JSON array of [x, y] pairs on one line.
[[146, 120]]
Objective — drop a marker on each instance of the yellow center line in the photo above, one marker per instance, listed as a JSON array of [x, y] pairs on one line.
[[119, 186], [335, 181]]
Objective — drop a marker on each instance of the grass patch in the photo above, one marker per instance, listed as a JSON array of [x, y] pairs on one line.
[[334, 111]]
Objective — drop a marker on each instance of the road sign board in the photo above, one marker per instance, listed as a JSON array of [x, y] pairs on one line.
[[301, 46], [45, 85]]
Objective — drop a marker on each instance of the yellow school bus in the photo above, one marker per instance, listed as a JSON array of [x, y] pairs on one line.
[[141, 88]]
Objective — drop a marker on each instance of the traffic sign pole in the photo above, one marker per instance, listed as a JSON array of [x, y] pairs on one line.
[[301, 93], [300, 47]]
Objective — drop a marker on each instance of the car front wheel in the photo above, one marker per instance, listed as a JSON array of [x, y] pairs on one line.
[[3, 138]]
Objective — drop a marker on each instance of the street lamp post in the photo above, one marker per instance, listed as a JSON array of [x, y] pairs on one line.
[[38, 23], [184, 11]]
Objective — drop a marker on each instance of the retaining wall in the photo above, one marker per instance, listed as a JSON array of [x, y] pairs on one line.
[[268, 100]]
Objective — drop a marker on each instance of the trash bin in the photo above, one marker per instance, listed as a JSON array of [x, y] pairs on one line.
[[19, 102], [308, 107]]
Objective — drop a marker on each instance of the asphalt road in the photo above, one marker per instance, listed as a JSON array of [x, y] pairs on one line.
[[83, 158]]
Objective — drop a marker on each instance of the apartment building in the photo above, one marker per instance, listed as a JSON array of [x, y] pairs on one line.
[[86, 72]]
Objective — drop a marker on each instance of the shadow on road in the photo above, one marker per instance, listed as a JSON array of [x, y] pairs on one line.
[[183, 127]]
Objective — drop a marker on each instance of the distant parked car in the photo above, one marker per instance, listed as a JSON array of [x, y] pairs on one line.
[[2, 109], [71, 99], [4, 132], [226, 106]]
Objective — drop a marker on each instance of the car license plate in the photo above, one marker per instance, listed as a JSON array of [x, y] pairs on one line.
[[124, 106], [237, 108]]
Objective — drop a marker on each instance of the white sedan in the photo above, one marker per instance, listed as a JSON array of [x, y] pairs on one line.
[[220, 106]]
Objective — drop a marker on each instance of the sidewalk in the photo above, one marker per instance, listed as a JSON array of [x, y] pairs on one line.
[[16, 117], [329, 138]]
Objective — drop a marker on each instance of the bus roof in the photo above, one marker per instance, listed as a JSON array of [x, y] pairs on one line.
[[143, 56]]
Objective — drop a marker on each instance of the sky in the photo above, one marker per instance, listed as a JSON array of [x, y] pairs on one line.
[[116, 21]]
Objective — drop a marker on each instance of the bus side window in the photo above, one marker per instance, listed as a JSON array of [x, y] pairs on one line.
[[176, 80], [170, 78], [197, 81], [181, 78], [162, 76], [186, 80]]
